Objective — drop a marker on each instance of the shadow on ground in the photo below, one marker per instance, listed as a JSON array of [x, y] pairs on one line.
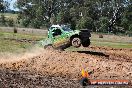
[[94, 53]]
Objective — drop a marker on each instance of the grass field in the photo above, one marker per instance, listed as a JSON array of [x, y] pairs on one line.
[[12, 46], [10, 15], [108, 40], [20, 36], [112, 44], [112, 41], [15, 46]]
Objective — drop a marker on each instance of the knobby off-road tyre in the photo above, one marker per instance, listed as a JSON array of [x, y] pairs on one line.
[[76, 42], [86, 43]]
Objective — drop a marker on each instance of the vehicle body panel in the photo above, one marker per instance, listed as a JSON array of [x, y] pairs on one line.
[[59, 36]]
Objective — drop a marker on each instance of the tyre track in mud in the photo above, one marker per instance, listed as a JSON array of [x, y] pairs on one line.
[[50, 65]]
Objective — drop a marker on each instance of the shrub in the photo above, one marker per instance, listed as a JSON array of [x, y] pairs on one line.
[[10, 22], [2, 20], [25, 22]]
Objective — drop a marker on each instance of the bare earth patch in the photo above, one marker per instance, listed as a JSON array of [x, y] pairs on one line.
[[52, 68]]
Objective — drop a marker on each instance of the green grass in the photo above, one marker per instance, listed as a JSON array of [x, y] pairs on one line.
[[112, 44], [10, 15], [112, 41], [15, 46], [20, 36], [12, 46], [104, 44]]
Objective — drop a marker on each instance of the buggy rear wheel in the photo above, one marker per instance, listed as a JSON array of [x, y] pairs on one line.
[[86, 43]]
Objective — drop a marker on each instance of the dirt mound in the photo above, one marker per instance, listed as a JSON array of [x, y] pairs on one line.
[[109, 64]]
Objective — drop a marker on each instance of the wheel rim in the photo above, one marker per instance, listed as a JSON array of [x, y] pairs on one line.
[[76, 42]]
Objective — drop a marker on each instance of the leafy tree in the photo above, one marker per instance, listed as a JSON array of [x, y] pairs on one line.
[[10, 22], [97, 15], [36, 23], [85, 23], [3, 20], [41, 10], [130, 27], [25, 22], [125, 23], [104, 23], [4, 5]]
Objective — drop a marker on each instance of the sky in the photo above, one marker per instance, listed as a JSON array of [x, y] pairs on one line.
[[12, 4]]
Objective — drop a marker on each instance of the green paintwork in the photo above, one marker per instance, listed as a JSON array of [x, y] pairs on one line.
[[58, 40]]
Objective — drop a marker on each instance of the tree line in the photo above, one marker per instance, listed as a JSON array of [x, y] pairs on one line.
[[108, 16], [4, 7]]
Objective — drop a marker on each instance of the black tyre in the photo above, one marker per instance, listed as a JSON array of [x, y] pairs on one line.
[[86, 43], [76, 42]]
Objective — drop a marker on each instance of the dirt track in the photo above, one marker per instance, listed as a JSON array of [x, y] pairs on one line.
[[52, 68]]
